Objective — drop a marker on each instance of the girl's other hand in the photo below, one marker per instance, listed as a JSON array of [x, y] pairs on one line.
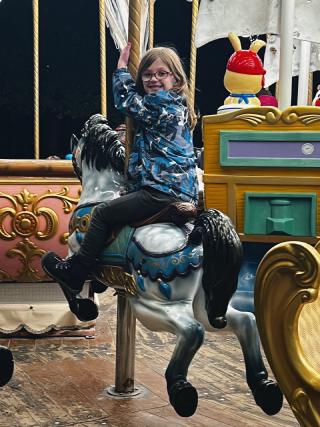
[[124, 56]]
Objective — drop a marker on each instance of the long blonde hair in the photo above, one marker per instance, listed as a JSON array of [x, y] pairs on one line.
[[170, 57]]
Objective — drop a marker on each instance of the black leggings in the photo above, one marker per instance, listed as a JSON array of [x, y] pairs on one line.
[[127, 209]]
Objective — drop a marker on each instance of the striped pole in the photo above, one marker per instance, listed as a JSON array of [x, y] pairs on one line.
[[36, 113], [103, 66]]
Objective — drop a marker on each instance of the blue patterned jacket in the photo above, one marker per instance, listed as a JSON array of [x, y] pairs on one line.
[[162, 155]]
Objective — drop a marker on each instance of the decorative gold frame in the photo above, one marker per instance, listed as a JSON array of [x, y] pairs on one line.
[[271, 115], [286, 291]]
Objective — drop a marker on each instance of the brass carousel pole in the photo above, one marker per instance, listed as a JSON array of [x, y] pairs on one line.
[[103, 72], [134, 38], [151, 24], [193, 51], [126, 322], [36, 114]]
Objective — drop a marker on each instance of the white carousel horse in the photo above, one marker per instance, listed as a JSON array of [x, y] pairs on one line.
[[172, 276]]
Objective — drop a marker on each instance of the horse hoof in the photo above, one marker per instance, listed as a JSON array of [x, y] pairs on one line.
[[184, 398], [268, 396], [98, 287], [219, 322], [6, 365], [86, 310]]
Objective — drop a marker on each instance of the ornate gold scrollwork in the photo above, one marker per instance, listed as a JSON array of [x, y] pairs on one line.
[[303, 408], [259, 115], [64, 238], [22, 220], [252, 115], [256, 119], [5, 277], [306, 115], [25, 251], [116, 277], [25, 214]]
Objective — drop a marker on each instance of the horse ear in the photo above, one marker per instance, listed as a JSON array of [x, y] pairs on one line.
[[73, 142]]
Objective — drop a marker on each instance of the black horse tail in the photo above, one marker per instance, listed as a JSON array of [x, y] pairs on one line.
[[222, 256]]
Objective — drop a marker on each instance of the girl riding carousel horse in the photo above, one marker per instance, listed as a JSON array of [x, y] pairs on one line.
[[177, 279], [162, 167]]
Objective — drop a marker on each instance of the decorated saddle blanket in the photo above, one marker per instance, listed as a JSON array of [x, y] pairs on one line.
[[156, 251], [162, 251]]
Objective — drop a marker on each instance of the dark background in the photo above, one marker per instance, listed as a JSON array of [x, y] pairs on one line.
[[69, 70]]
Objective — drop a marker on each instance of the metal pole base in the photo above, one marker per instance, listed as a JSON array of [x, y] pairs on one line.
[[137, 392]]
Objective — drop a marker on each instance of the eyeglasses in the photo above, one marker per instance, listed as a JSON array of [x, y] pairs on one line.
[[159, 75]]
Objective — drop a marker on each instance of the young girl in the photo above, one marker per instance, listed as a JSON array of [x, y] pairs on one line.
[[161, 169]]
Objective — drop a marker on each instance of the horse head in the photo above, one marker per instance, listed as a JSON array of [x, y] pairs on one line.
[[98, 160]]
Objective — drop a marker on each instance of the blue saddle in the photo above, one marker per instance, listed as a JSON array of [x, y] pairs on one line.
[[158, 251]]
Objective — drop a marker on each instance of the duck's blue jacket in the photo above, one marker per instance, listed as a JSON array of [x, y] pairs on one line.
[[162, 155]]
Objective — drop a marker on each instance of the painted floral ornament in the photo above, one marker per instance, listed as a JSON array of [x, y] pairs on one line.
[[244, 76]]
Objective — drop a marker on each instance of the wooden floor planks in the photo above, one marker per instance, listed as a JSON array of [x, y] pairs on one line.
[[62, 382]]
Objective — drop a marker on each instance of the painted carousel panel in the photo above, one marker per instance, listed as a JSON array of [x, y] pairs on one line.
[[37, 198]]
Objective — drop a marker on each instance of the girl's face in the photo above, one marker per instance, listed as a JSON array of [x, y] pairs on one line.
[[157, 77]]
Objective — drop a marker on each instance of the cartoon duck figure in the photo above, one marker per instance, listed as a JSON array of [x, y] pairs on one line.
[[244, 75], [316, 99]]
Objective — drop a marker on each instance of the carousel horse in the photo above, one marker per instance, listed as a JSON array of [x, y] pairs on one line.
[[170, 269], [6, 365]]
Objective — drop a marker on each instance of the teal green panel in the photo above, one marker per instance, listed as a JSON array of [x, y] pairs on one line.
[[292, 214], [270, 149]]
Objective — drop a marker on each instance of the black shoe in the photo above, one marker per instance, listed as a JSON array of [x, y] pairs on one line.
[[69, 272]]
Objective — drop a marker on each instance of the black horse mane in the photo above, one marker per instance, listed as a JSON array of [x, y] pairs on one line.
[[101, 145]]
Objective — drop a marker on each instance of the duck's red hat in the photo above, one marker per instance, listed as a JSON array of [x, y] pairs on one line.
[[246, 62]]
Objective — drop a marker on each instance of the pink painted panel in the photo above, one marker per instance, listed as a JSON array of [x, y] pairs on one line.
[[33, 218]]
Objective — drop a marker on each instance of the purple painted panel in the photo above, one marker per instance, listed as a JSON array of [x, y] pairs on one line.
[[274, 149]]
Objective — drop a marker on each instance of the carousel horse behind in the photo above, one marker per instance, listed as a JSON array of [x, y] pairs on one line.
[[172, 271], [6, 365]]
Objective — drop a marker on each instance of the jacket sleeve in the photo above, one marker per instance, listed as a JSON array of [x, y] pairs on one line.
[[149, 109]]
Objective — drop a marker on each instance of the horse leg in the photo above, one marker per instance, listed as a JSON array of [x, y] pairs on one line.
[[83, 308], [266, 392], [183, 396], [176, 318]]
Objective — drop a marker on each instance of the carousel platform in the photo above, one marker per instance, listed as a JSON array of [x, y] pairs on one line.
[[63, 381]]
